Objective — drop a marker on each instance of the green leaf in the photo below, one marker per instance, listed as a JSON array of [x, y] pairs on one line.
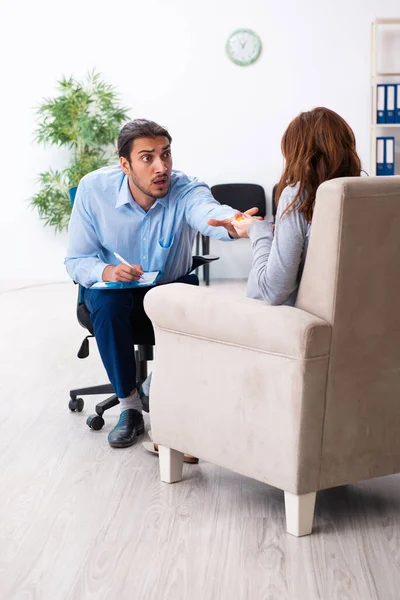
[[52, 201], [86, 118]]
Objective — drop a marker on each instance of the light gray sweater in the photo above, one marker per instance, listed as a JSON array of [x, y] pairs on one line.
[[278, 257]]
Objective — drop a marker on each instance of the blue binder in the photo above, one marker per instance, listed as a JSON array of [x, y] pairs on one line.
[[380, 103], [389, 156], [390, 103], [380, 156], [398, 103]]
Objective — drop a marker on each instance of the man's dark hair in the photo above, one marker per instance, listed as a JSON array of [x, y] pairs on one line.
[[138, 128]]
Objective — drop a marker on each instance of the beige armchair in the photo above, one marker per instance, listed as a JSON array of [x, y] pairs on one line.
[[302, 398]]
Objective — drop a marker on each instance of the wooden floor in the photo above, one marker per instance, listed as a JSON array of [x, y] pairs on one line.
[[81, 521]]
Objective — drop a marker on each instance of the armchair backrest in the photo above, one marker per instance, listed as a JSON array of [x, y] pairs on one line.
[[352, 280]]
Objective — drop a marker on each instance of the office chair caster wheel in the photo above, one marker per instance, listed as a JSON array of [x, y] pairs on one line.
[[76, 405], [95, 422]]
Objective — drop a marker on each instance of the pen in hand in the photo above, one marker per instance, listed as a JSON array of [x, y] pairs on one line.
[[125, 262]]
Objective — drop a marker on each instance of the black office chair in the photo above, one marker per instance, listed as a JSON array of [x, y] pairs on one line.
[[241, 196], [144, 342], [274, 207]]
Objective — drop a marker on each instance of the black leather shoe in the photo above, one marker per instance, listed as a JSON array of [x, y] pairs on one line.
[[129, 426]]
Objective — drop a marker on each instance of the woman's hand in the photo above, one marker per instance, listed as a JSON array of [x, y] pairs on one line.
[[242, 225]]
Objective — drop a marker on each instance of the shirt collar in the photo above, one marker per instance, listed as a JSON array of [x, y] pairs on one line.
[[164, 201], [125, 196]]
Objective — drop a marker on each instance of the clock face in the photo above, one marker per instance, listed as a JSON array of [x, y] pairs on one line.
[[243, 47]]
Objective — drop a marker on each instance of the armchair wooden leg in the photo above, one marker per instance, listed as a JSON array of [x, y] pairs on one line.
[[171, 464], [299, 513]]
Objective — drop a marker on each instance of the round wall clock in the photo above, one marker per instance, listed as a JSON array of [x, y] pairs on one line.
[[243, 47]]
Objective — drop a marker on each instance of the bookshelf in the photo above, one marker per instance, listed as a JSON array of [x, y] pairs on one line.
[[380, 77]]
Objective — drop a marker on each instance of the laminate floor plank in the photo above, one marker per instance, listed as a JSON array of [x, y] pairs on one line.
[[82, 521]]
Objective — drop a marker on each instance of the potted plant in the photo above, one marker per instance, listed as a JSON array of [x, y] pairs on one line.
[[86, 118]]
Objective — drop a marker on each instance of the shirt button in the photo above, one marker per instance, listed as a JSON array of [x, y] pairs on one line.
[[144, 257]]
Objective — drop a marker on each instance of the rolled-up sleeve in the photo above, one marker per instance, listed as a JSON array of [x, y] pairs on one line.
[[82, 261], [201, 206]]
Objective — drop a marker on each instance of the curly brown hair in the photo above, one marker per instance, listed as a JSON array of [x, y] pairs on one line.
[[317, 145]]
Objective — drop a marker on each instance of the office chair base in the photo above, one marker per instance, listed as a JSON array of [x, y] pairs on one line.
[[95, 422], [143, 353], [104, 405], [94, 389], [76, 404]]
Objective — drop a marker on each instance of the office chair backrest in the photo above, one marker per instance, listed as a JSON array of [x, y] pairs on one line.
[[72, 194], [241, 196], [274, 207], [82, 312]]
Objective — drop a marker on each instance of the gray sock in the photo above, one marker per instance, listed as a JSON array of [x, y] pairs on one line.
[[132, 401]]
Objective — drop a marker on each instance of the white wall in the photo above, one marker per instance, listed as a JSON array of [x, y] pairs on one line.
[[167, 59]]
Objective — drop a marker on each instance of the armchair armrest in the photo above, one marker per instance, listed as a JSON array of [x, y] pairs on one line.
[[213, 314]]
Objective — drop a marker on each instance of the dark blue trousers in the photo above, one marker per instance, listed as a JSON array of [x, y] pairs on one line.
[[120, 322]]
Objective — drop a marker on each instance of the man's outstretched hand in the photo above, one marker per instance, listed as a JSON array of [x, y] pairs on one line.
[[227, 223]]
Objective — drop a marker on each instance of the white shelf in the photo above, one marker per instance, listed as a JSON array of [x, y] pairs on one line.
[[387, 21], [374, 127]]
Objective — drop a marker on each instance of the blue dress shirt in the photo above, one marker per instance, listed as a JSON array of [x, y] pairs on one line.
[[106, 219]]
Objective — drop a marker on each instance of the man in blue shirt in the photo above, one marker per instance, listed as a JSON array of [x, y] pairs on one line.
[[148, 214]]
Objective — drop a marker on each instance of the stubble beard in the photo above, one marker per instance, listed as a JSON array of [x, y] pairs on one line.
[[145, 190]]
